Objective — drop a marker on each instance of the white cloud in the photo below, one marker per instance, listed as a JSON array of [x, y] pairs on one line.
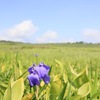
[[41, 40], [70, 40], [92, 34], [47, 37], [19, 32], [11, 39], [50, 34]]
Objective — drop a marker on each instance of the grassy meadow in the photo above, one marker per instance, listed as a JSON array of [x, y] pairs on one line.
[[75, 71]]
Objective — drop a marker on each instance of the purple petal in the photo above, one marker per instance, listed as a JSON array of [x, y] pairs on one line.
[[40, 64], [46, 79], [41, 71], [38, 73], [31, 69], [34, 65], [33, 79], [45, 66]]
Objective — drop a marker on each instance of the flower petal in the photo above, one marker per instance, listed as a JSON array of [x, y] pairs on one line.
[[33, 79], [31, 69], [46, 79], [41, 71], [46, 67]]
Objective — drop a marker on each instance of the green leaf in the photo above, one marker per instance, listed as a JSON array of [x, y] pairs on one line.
[[77, 97], [72, 82], [65, 78], [18, 89], [93, 81], [24, 75], [84, 90], [50, 70], [97, 94], [54, 91], [60, 64], [8, 93], [95, 86], [73, 71], [44, 93], [3, 86], [81, 79], [16, 72], [68, 94], [62, 92], [1, 97], [55, 88]]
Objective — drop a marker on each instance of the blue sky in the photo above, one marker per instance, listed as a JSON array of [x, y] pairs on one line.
[[46, 21]]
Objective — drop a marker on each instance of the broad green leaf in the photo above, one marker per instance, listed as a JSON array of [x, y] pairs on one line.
[[18, 89], [68, 94], [81, 79], [72, 82], [19, 63], [95, 86], [24, 75], [8, 93], [3, 86], [1, 97], [1, 92], [85, 70], [77, 97], [60, 64], [16, 72], [61, 96], [73, 71], [84, 90], [56, 78], [65, 78], [55, 88], [97, 94], [93, 81]]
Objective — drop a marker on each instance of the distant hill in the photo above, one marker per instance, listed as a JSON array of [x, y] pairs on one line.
[[5, 41], [68, 43]]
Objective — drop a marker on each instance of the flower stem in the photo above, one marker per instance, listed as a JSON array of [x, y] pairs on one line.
[[30, 89], [36, 93]]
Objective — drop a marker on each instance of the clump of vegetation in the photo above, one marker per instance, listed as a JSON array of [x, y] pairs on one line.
[[74, 72]]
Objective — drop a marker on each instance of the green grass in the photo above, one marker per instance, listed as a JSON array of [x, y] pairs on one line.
[[16, 58]]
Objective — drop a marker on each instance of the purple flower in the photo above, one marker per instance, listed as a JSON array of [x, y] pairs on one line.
[[33, 79], [38, 73], [43, 70], [46, 79], [31, 69], [36, 55]]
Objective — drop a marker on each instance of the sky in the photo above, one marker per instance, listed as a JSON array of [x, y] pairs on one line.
[[50, 21]]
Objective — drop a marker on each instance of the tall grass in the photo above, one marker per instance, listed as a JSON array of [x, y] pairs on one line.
[[75, 71]]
